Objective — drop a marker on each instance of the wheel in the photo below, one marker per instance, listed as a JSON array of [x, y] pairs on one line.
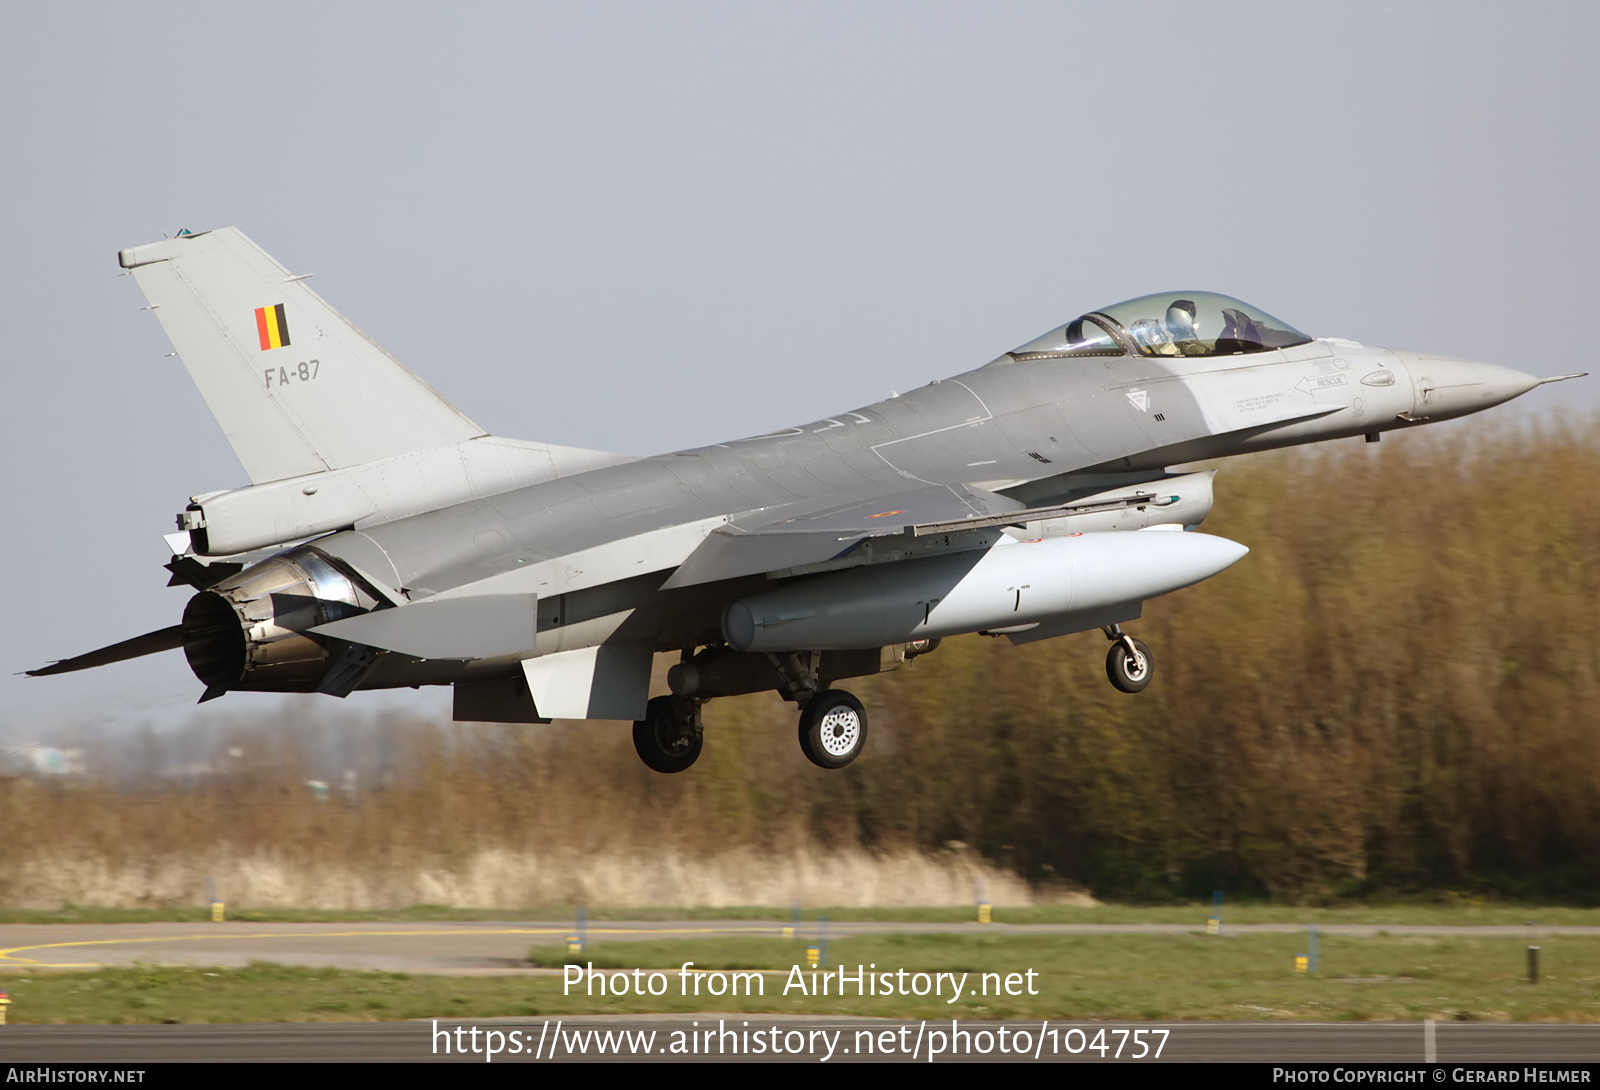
[[833, 728], [1130, 673], [661, 741]]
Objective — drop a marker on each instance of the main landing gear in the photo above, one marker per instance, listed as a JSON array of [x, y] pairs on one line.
[[833, 724], [833, 728], [1129, 664], [671, 734]]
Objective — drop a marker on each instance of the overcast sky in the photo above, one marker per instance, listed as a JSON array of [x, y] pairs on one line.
[[641, 226]]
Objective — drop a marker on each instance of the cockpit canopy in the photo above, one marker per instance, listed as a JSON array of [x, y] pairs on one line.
[[1181, 323]]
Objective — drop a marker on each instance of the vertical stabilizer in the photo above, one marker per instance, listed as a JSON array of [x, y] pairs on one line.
[[296, 387]]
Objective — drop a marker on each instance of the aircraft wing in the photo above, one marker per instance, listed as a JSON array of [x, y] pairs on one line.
[[778, 542], [796, 535]]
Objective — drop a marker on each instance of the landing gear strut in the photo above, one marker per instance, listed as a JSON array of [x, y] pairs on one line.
[[1129, 663], [670, 735]]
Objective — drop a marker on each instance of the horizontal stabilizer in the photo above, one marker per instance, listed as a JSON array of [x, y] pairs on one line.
[[148, 644], [484, 627]]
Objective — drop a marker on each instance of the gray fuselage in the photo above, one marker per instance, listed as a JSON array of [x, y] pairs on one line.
[[1033, 430]]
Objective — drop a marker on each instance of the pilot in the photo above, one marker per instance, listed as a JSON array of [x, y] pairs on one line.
[[1182, 328]]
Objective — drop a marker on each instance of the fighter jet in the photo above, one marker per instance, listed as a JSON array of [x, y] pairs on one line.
[[386, 540]]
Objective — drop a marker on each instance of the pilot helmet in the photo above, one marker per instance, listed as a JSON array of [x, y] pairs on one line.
[[1181, 320]]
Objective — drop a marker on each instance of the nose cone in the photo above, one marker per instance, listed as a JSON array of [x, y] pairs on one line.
[[1447, 388]]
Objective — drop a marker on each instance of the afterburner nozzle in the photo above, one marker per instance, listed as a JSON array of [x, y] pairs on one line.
[[248, 631]]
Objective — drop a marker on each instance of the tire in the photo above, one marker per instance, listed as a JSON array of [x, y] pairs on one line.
[[833, 729], [1128, 674], [656, 739]]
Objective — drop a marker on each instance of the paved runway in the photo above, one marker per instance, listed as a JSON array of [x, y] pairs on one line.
[[490, 947], [481, 947], [745, 1038]]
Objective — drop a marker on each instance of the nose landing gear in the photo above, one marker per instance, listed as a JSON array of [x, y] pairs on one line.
[[1129, 663]]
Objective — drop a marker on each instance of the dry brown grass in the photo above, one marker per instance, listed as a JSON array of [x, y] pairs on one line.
[[474, 816]]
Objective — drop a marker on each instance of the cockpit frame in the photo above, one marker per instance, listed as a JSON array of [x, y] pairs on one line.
[[1194, 323]]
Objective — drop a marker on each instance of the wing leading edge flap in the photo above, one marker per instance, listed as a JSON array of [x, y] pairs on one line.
[[485, 627], [774, 540], [725, 555]]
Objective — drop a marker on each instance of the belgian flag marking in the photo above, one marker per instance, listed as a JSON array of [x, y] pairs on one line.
[[273, 327]]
